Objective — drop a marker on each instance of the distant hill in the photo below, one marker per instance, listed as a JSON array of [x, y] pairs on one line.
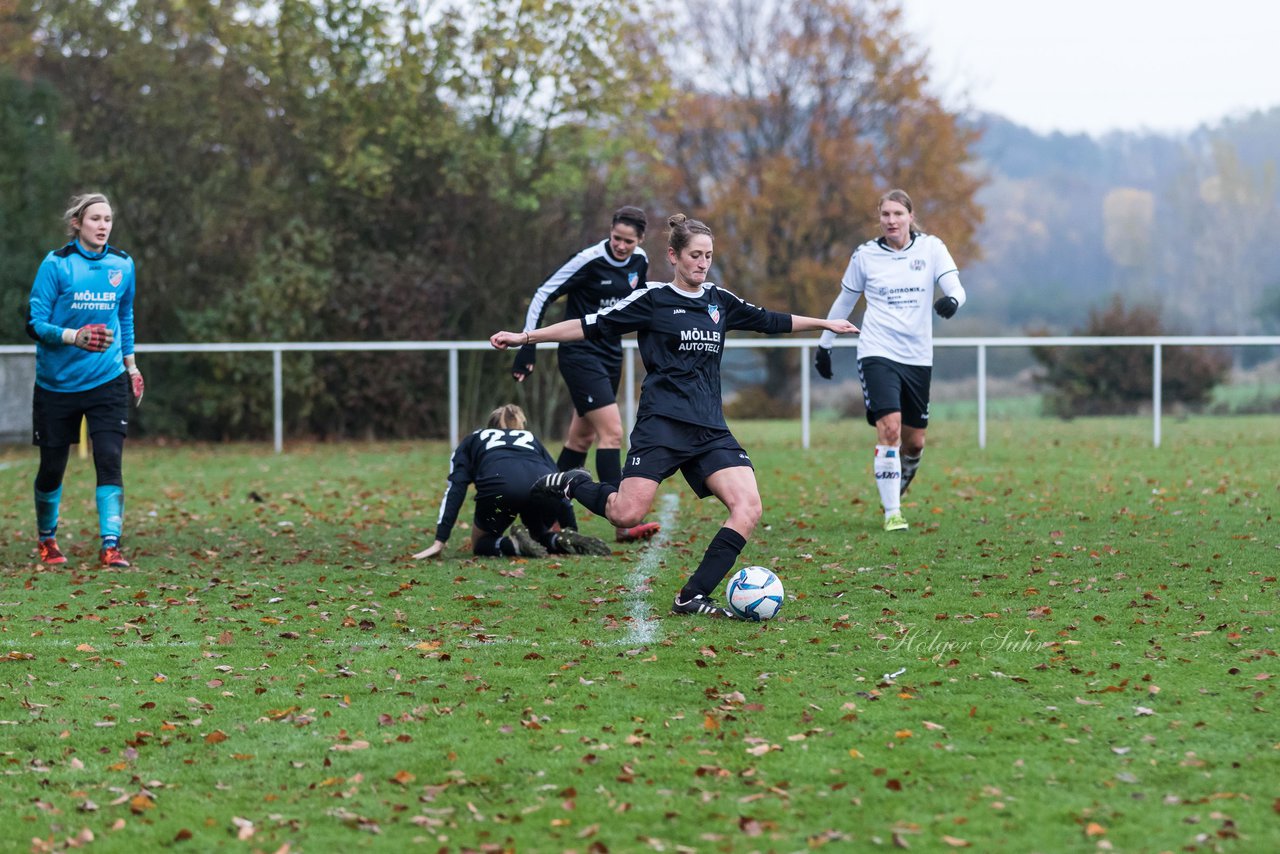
[[1189, 224]]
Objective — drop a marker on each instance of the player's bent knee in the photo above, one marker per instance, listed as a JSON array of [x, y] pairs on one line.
[[627, 517], [747, 512]]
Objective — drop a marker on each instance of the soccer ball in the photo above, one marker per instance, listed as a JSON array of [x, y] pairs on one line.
[[754, 593]]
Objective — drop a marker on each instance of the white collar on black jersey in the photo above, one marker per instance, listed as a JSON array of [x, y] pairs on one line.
[[603, 248], [683, 293]]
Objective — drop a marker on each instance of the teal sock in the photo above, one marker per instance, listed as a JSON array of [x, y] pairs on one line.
[[47, 512], [110, 514]]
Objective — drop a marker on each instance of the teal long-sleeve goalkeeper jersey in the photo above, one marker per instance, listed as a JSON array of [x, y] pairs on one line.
[[74, 288]]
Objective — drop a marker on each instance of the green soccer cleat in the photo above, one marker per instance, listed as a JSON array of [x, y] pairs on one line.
[[895, 522]]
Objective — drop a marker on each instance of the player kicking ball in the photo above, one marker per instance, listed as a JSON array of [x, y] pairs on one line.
[[680, 425]]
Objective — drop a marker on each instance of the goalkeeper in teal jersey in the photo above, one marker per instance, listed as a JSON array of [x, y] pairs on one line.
[[81, 317]]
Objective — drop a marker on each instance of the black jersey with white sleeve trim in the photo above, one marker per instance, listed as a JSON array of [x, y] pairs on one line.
[[681, 339], [484, 458], [590, 281]]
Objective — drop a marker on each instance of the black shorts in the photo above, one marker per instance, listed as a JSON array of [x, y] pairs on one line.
[[501, 497], [55, 415], [593, 384], [659, 447], [889, 386]]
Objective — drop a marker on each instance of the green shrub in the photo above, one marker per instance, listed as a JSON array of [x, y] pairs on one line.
[[1117, 380]]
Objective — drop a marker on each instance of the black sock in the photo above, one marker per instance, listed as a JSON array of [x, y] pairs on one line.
[[570, 459], [718, 559], [609, 465], [492, 545], [594, 496], [565, 517]]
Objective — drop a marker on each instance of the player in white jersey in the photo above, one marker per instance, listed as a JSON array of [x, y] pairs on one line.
[[680, 328], [896, 274]]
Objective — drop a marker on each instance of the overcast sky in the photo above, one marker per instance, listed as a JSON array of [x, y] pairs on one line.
[[1092, 66]]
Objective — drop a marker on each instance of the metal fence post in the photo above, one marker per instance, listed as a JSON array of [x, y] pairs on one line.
[[277, 402], [982, 395], [1157, 370], [804, 396], [453, 397]]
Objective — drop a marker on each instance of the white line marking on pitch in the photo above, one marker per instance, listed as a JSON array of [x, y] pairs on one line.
[[642, 629]]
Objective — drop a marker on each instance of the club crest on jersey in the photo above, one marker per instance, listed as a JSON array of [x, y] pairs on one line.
[[115, 277], [917, 263], [714, 311], [633, 279]]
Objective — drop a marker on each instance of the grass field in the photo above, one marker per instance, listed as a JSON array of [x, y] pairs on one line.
[[1083, 628]]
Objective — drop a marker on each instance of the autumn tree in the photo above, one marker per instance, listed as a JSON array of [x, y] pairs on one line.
[[1219, 231], [796, 116], [342, 169]]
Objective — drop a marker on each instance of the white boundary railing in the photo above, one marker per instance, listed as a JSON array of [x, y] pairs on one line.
[[628, 397]]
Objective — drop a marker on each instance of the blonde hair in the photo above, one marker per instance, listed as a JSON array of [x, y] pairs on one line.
[[79, 204], [901, 197], [507, 417]]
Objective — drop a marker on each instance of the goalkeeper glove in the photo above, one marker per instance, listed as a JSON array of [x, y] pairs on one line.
[[95, 337], [137, 385], [523, 366], [822, 362], [946, 307]]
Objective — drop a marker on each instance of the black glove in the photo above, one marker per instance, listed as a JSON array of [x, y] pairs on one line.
[[523, 366], [946, 307], [822, 361]]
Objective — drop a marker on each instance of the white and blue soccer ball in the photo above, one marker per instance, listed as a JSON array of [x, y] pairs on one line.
[[755, 593]]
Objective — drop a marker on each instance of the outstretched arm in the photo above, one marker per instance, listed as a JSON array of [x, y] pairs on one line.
[[565, 330], [840, 326], [430, 551]]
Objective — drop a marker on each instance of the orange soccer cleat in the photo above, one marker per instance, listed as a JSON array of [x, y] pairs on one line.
[[50, 553], [643, 531], [111, 557]]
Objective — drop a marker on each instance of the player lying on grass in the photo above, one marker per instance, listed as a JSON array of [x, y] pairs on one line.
[[503, 460], [680, 425]]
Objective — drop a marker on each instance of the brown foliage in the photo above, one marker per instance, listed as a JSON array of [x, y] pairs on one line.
[[817, 108]]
